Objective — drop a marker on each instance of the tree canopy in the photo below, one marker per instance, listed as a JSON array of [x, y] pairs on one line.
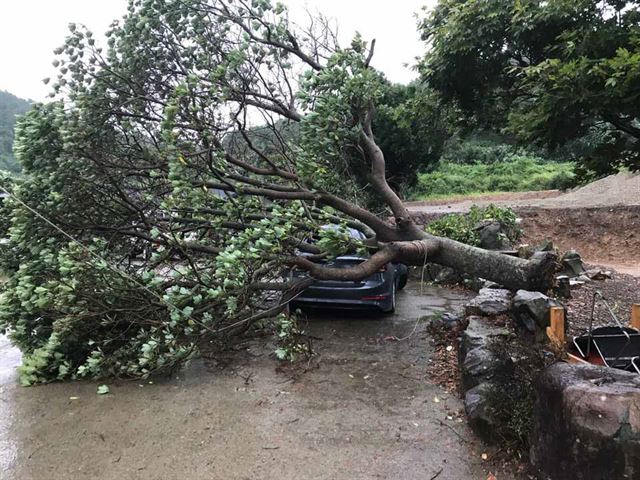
[[551, 72], [10, 107], [156, 217]]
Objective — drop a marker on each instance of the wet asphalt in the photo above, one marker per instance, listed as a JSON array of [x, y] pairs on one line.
[[363, 408]]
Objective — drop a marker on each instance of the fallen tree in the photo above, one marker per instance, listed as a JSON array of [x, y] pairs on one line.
[[165, 202]]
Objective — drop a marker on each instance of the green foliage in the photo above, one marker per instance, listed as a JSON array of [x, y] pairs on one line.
[[291, 342], [515, 174], [10, 108], [462, 227], [103, 389], [327, 151], [550, 72], [156, 179], [485, 146], [411, 125]]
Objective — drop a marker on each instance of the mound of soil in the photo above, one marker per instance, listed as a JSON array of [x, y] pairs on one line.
[[604, 236], [620, 189], [614, 190]]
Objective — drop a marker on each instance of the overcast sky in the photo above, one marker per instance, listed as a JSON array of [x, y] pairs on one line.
[[31, 29]]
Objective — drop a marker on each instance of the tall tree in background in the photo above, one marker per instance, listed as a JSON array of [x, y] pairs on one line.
[[10, 108], [411, 126], [189, 226], [552, 72]]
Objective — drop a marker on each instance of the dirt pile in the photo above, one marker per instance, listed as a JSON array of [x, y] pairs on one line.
[[605, 236], [614, 190], [620, 189]]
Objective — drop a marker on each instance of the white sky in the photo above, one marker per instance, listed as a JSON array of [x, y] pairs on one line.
[[31, 29]]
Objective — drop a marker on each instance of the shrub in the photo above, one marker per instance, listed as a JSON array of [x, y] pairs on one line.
[[515, 174], [461, 227]]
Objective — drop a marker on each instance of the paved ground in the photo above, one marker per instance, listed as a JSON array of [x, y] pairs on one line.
[[366, 411]]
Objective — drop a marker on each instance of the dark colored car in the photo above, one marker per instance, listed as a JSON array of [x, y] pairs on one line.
[[376, 291]]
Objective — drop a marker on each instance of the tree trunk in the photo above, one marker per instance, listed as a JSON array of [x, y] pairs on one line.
[[512, 272]]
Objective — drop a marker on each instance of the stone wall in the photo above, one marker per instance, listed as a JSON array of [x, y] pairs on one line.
[[586, 419]]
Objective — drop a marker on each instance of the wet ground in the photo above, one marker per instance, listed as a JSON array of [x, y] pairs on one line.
[[362, 410]]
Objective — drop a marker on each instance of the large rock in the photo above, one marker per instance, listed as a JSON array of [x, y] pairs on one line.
[[587, 423], [531, 311], [478, 359], [572, 263], [489, 302], [479, 414], [479, 366], [492, 236], [448, 276], [479, 333]]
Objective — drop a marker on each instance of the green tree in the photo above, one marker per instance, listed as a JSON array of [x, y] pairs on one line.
[[184, 227], [411, 126], [10, 108], [553, 72]]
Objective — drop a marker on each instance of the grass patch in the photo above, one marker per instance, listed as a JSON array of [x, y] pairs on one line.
[[518, 174]]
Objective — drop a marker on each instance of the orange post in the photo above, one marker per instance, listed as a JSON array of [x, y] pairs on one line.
[[635, 316], [555, 330]]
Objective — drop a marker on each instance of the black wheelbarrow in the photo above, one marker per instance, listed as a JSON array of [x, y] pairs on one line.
[[613, 346]]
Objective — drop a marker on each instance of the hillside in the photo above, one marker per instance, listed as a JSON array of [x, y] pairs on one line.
[[10, 107]]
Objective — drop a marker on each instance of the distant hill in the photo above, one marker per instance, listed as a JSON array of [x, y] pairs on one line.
[[10, 107]]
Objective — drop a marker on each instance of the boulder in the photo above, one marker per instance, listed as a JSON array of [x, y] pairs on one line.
[[572, 263], [477, 357], [489, 302], [531, 312], [586, 423], [479, 333], [447, 276], [597, 274], [446, 321], [479, 366], [492, 236], [479, 415]]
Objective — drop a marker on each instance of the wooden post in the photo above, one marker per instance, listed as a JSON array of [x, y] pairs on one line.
[[555, 330], [635, 316]]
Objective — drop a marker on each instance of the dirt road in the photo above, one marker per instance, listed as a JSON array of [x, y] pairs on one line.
[[622, 189], [366, 412]]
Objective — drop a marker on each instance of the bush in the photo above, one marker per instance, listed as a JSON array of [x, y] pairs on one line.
[[461, 227], [517, 173], [475, 151]]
